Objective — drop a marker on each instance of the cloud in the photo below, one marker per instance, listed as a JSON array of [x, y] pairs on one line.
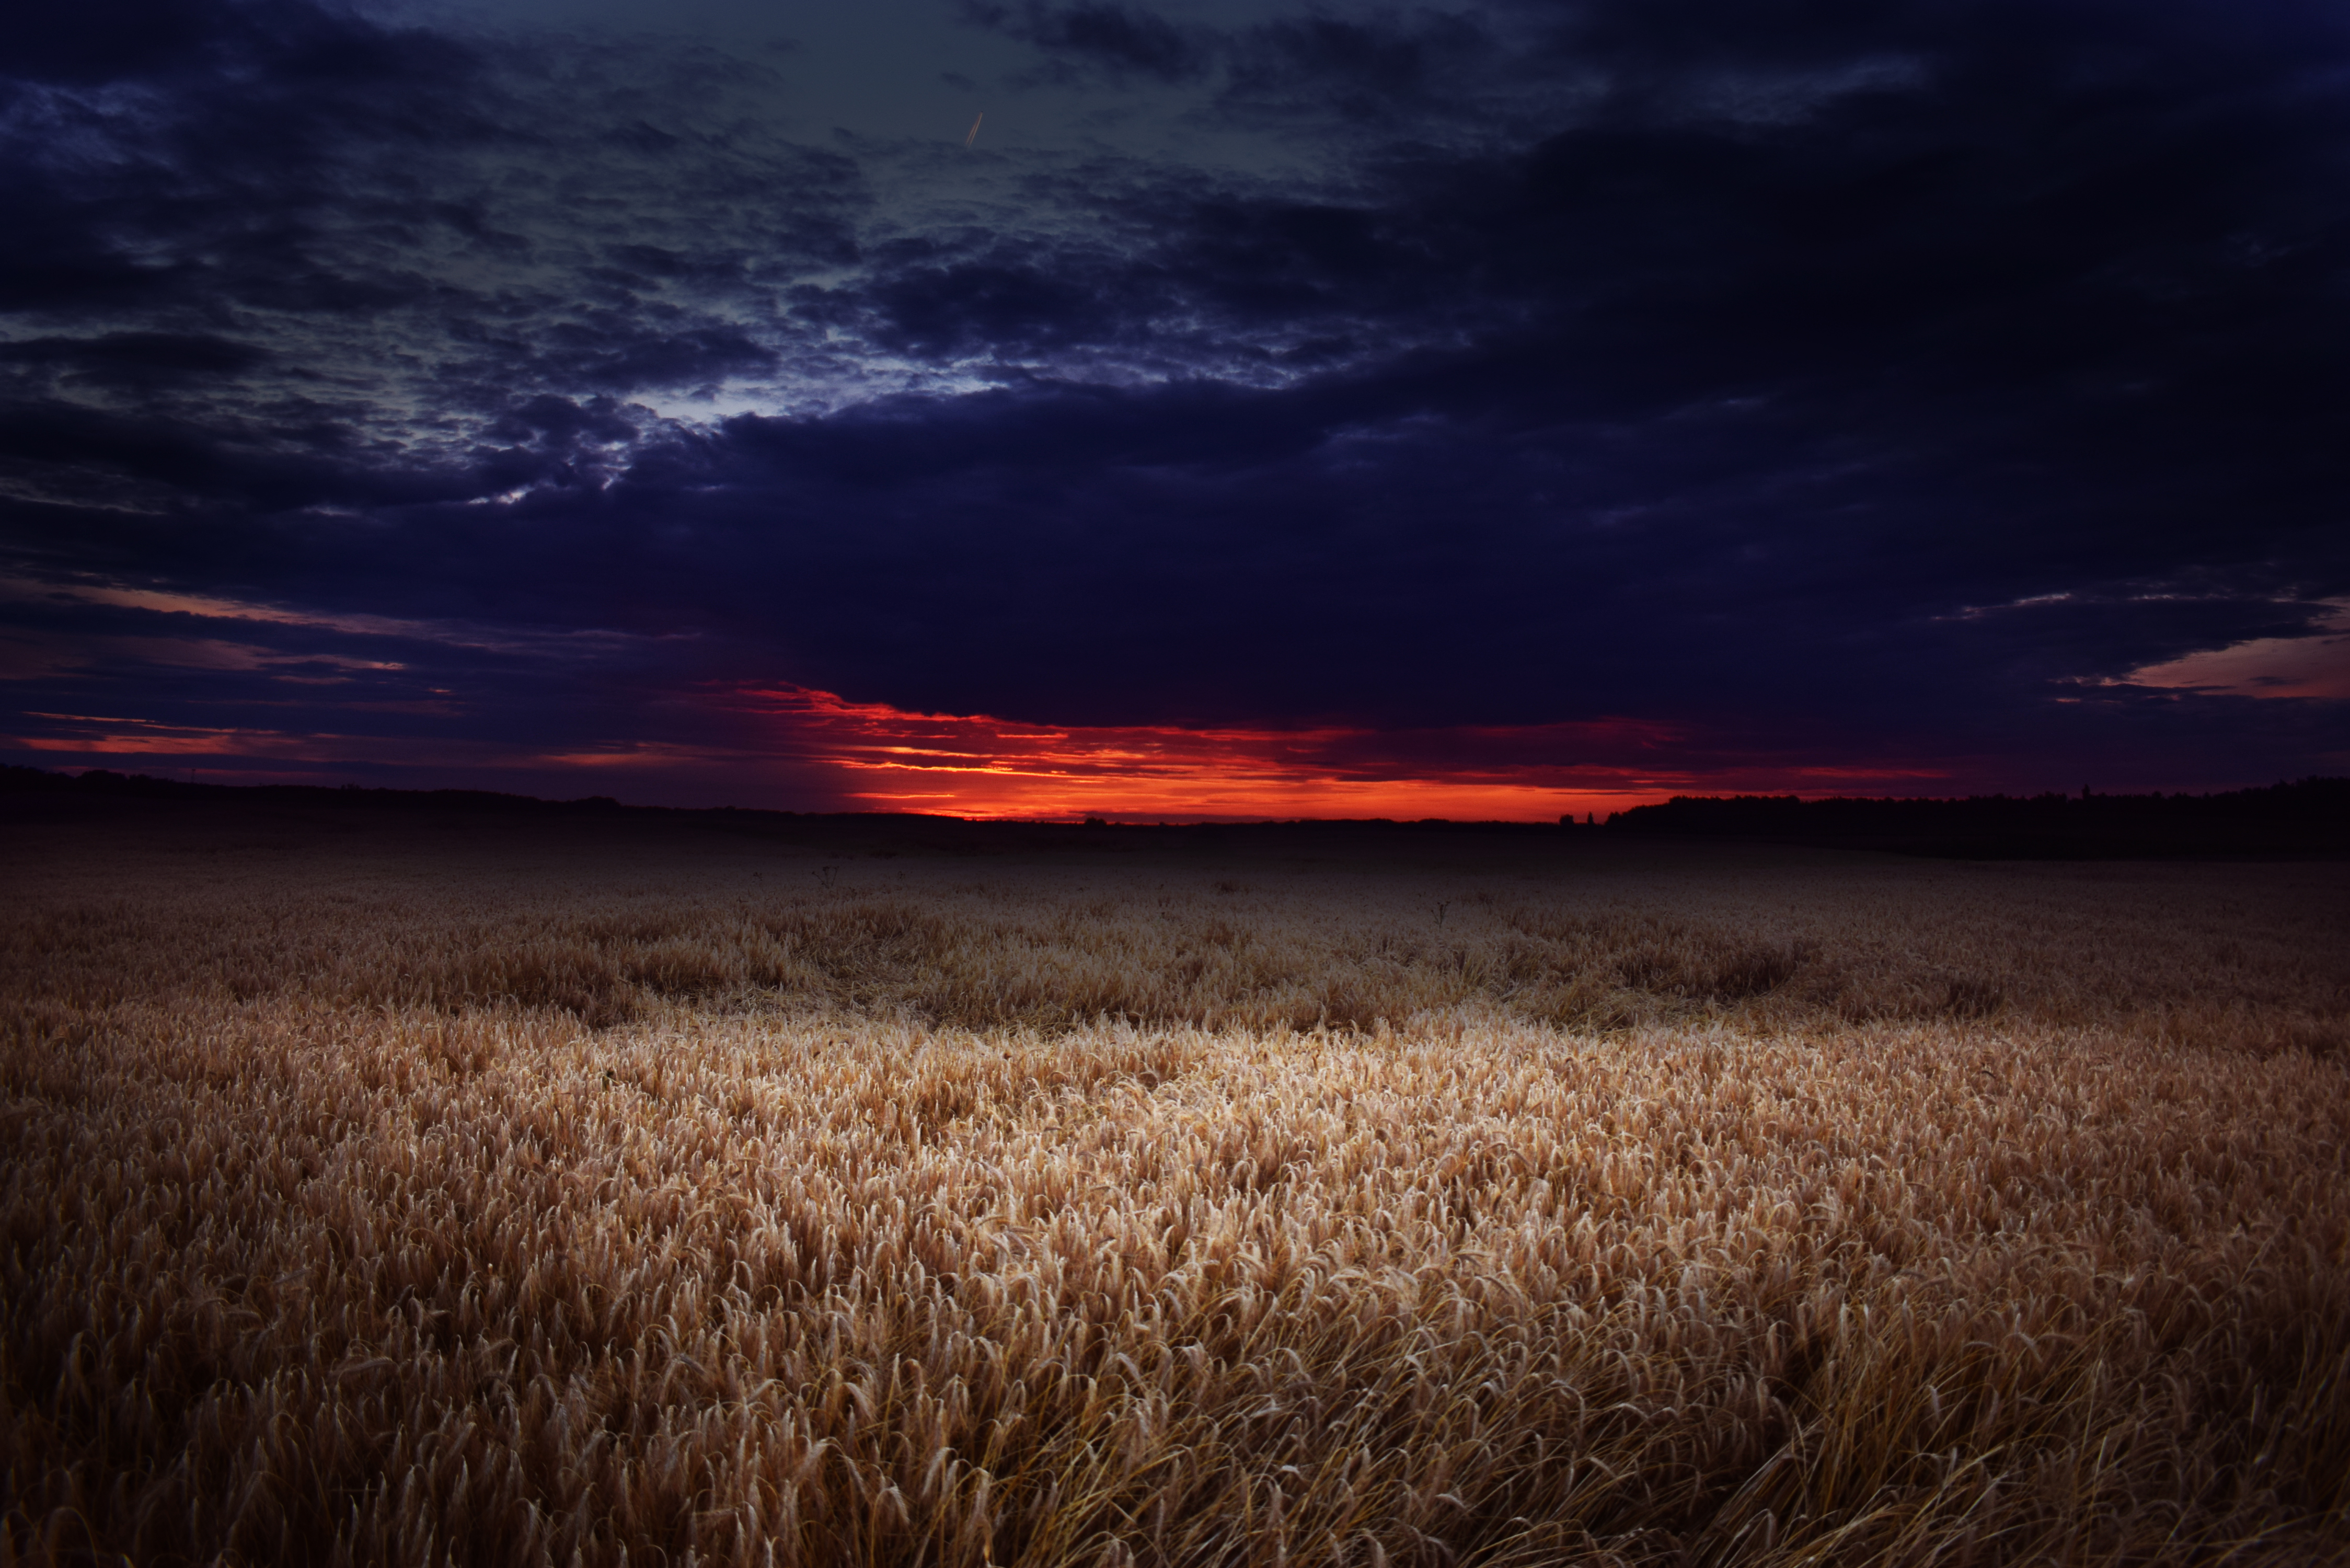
[[1549, 367], [1114, 39], [1376, 71], [315, 214], [135, 358], [2311, 665], [620, 355], [90, 45]]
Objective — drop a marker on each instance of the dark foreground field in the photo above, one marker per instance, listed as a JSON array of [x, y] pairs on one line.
[[480, 1189]]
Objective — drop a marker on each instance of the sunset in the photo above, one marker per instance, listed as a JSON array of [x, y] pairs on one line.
[[1488, 412], [1175, 783]]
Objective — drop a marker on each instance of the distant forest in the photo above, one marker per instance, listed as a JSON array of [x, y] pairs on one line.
[[2307, 818]]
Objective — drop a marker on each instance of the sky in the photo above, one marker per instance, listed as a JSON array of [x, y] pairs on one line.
[[1181, 409]]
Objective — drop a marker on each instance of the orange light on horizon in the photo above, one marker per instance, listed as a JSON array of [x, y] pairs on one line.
[[800, 748], [976, 766]]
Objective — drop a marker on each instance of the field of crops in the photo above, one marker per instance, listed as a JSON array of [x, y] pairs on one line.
[[462, 1193]]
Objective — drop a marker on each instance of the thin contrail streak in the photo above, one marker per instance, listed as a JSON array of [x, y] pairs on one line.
[[973, 136]]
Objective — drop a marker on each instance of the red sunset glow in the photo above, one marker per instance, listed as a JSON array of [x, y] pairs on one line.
[[789, 747], [978, 766]]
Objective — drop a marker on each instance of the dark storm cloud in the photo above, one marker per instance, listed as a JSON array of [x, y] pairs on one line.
[[135, 358], [91, 44], [563, 422], [1824, 378], [140, 135], [620, 355], [1376, 66], [1004, 305], [1339, 551], [1378, 71], [422, 193], [1116, 40]]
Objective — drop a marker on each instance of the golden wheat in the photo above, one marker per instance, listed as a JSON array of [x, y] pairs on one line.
[[403, 1202]]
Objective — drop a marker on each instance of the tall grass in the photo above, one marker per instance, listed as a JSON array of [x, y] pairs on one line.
[[452, 1208]]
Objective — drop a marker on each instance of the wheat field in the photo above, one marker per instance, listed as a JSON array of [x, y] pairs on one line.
[[453, 1193]]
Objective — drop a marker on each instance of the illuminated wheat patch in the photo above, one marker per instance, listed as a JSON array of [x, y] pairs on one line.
[[1169, 1217]]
